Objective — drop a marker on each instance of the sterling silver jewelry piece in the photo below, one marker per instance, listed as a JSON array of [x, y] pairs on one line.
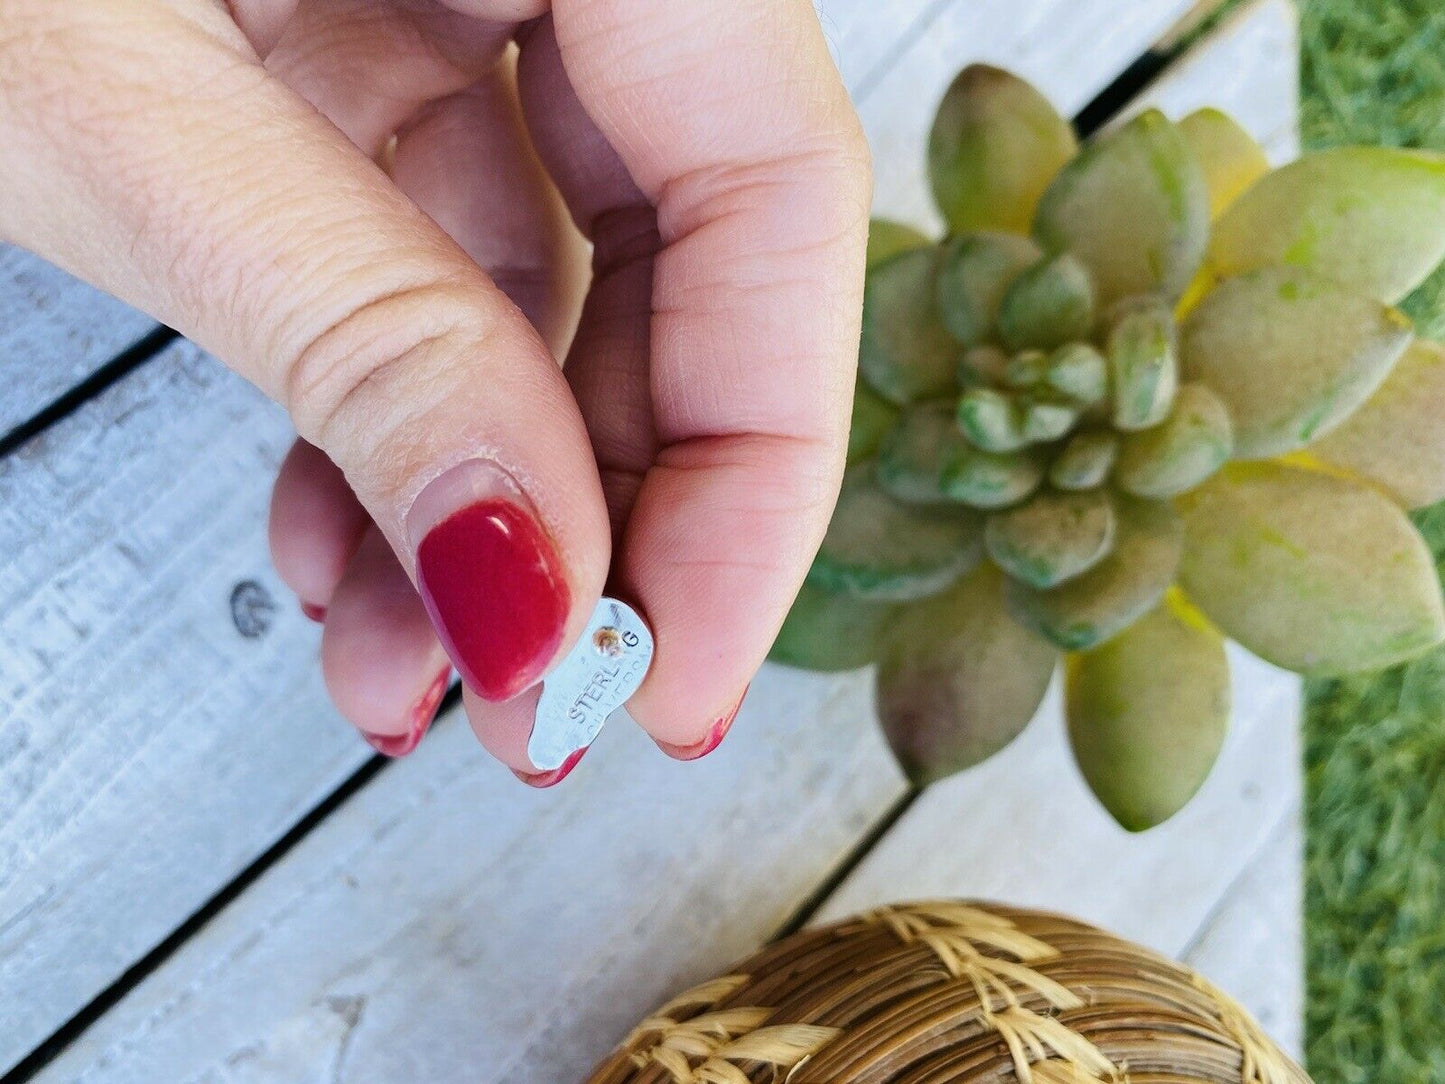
[[602, 670]]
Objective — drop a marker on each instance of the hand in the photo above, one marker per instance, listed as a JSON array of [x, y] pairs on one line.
[[352, 203]]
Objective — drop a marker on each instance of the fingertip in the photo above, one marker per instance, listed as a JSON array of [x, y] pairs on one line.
[[383, 666], [315, 526], [716, 732], [505, 728]]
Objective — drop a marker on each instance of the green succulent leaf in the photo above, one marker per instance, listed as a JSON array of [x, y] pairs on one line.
[[905, 352], [991, 420], [1185, 449], [1291, 353], [830, 631], [1080, 372], [926, 460], [1398, 437], [879, 549], [1147, 714], [887, 239], [1053, 537], [1048, 418], [1143, 366], [873, 417], [974, 272], [1229, 156], [1312, 572], [1133, 206], [995, 145], [1086, 461], [1371, 218], [958, 679], [1111, 596], [1049, 304]]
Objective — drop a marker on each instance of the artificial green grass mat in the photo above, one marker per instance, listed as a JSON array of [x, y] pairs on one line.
[[1374, 72]]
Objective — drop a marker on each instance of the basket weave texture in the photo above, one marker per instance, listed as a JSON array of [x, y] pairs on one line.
[[946, 992]]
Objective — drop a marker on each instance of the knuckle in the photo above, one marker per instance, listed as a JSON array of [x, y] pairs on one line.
[[382, 358]]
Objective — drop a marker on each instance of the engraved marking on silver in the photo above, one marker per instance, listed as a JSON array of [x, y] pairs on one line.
[[602, 670]]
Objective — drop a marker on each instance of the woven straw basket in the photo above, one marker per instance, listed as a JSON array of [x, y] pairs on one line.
[[951, 993]]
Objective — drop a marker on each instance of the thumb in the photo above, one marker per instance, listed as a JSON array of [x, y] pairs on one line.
[[150, 153]]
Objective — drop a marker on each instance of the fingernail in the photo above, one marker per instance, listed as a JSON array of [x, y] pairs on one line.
[[543, 780], [714, 738], [490, 577], [422, 714], [313, 611]]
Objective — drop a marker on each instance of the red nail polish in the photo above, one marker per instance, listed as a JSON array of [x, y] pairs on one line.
[[313, 611], [714, 737], [493, 585], [543, 780], [422, 714]]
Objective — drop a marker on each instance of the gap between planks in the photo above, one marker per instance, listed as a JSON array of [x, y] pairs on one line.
[[1098, 111]]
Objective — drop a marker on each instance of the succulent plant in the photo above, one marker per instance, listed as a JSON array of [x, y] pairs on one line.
[[1145, 396]]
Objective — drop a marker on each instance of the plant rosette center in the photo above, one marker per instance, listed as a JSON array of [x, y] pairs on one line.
[[1148, 394]]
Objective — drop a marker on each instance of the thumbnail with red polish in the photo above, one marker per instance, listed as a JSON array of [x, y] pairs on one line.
[[492, 583]]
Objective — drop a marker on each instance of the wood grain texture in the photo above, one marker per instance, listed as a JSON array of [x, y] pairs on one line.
[[54, 332], [447, 925], [181, 862], [158, 758], [148, 750]]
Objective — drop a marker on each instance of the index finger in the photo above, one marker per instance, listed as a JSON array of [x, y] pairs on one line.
[[732, 120]]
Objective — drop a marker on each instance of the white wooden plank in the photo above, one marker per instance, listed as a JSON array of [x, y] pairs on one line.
[[1023, 827], [164, 1016], [54, 332], [123, 682], [1252, 945], [125, 687], [148, 750], [446, 925], [865, 35]]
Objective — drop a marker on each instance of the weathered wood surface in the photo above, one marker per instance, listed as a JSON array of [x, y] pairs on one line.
[[481, 934], [54, 332], [1253, 946], [440, 924], [148, 751]]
